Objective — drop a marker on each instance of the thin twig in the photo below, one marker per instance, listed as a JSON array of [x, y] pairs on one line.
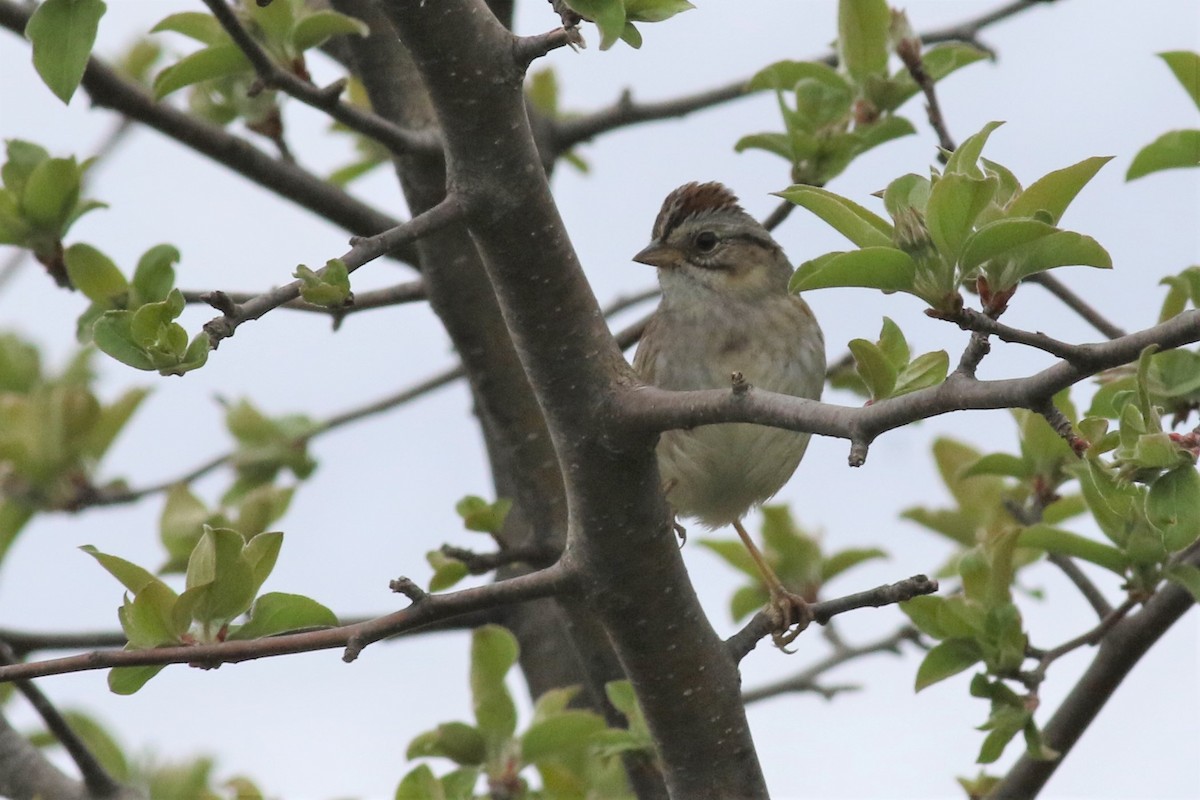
[[971, 320], [399, 294], [483, 563], [808, 679], [1034, 678], [362, 251], [396, 139], [95, 776], [763, 623], [909, 50], [425, 609], [776, 217], [1076, 304]]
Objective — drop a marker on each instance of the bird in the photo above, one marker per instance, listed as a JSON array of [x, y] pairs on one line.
[[725, 315]]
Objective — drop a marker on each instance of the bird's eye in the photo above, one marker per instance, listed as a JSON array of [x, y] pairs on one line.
[[706, 241]]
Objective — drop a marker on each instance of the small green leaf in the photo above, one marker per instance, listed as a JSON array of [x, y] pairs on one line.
[[479, 515], [493, 652], [784, 75], [62, 33], [907, 191], [213, 62], [1004, 464], [447, 571], [925, 613], [609, 16], [315, 29], [155, 274], [927, 369], [883, 268], [1056, 540], [147, 619], [1174, 149], [965, 159], [1054, 191], [51, 193], [127, 680], [197, 25], [844, 560], [1173, 506], [461, 743], [655, 10], [748, 599], [1186, 66], [94, 274], [560, 736], [893, 344], [420, 784], [874, 368], [955, 202], [860, 226], [261, 553], [181, 524], [131, 576], [277, 612], [947, 659], [863, 37], [631, 35], [1186, 576]]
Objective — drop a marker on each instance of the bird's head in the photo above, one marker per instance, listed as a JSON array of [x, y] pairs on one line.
[[703, 240]]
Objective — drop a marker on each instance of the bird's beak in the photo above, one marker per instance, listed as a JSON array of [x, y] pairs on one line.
[[657, 254]]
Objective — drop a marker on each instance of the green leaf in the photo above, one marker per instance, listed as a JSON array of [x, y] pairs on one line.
[[924, 612], [213, 62], [947, 659], [893, 344], [655, 10], [155, 274], [479, 515], [844, 560], [22, 158], [181, 525], [542, 91], [1056, 540], [148, 619], [1173, 506], [1172, 150], [261, 553], [1186, 576], [112, 334], [330, 287], [863, 37], [197, 25], [94, 274], [907, 191], [220, 582], [131, 576], [51, 192], [420, 784], [559, 736], [734, 553], [493, 652], [964, 160], [447, 571], [860, 226], [609, 16], [1054, 191], [748, 599], [315, 29], [1024, 246], [127, 680], [461, 743], [955, 202], [874, 368], [928, 369], [62, 33], [1004, 464], [784, 75], [883, 268], [1186, 66], [277, 612]]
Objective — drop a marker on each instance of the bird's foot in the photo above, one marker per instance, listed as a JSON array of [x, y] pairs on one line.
[[791, 614], [680, 531]]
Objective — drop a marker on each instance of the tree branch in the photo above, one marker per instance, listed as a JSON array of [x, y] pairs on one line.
[[1076, 304], [362, 251], [1120, 650], [808, 679], [107, 89], [425, 609], [396, 139], [399, 294], [658, 409], [762, 624], [95, 776], [625, 112]]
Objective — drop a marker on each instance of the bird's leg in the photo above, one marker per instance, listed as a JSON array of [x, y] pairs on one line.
[[791, 611], [680, 531]]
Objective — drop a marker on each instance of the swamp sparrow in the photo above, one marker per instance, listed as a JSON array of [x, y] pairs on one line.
[[726, 309]]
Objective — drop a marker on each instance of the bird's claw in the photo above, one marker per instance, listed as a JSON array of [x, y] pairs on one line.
[[791, 614], [680, 531]]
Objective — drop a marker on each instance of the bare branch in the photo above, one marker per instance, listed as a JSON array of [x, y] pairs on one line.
[[535, 555], [396, 139], [909, 50], [362, 251], [1034, 678], [762, 624], [426, 610], [95, 776], [971, 320], [530, 48], [808, 679], [659, 409], [1076, 304]]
